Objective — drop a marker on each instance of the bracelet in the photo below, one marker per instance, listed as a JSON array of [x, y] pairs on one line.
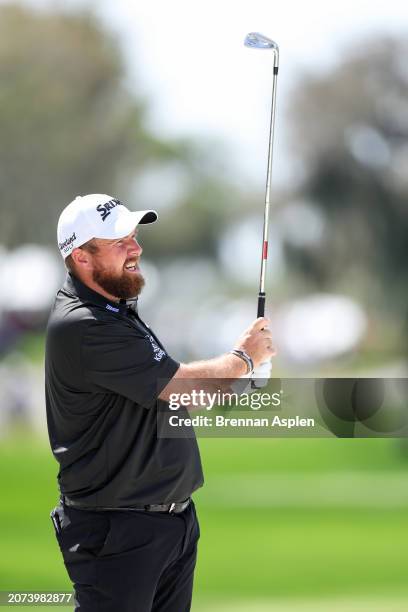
[[245, 357]]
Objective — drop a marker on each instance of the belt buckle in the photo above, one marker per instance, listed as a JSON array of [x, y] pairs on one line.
[[172, 506]]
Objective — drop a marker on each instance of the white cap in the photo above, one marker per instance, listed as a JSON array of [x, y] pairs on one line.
[[97, 216]]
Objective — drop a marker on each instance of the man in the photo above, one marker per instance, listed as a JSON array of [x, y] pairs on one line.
[[126, 524]]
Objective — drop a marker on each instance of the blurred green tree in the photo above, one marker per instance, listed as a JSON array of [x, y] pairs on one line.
[[70, 124], [67, 123], [350, 133]]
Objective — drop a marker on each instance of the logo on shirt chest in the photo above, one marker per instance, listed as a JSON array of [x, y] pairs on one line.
[[112, 308], [158, 352]]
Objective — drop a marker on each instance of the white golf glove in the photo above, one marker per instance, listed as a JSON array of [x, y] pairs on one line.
[[255, 380], [261, 375]]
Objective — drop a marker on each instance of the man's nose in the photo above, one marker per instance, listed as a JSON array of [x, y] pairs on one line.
[[135, 248]]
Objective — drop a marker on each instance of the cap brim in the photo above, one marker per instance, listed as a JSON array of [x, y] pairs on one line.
[[149, 216], [125, 224]]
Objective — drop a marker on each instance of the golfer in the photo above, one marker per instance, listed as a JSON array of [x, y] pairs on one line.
[[126, 524]]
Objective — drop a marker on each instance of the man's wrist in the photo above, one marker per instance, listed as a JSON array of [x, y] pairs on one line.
[[246, 358]]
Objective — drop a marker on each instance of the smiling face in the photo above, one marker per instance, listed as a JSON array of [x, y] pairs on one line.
[[111, 267]]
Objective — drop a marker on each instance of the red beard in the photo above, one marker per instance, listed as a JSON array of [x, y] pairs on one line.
[[124, 287]]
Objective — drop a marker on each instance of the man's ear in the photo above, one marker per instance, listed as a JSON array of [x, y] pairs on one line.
[[82, 258]]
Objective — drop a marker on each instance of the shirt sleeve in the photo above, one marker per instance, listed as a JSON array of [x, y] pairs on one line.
[[122, 360]]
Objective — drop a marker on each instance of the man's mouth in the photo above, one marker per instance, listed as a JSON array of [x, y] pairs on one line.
[[132, 267]]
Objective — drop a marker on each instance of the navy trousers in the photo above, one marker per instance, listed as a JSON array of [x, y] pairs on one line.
[[128, 560]]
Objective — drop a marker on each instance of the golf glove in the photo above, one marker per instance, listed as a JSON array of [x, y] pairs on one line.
[[261, 375], [257, 379]]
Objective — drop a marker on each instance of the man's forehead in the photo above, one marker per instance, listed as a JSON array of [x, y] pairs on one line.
[[102, 241]]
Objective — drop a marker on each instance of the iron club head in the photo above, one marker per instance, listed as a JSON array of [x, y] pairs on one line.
[[259, 41]]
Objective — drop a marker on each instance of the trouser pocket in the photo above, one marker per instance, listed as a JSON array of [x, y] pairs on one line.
[[80, 532], [56, 521]]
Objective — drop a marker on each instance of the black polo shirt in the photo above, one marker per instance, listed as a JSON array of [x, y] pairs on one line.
[[102, 371]]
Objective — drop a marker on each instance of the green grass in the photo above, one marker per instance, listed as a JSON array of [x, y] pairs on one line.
[[292, 521], [31, 345]]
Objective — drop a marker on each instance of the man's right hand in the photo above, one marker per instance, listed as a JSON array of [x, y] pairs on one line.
[[217, 373], [257, 341]]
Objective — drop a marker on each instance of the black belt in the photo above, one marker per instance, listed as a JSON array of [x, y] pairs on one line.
[[173, 508]]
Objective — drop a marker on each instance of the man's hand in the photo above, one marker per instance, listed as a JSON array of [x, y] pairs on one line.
[[217, 373], [257, 342]]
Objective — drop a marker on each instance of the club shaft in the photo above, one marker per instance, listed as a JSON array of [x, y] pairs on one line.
[[264, 256]]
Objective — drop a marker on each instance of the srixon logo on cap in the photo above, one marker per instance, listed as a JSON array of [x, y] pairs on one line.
[[67, 244], [104, 209]]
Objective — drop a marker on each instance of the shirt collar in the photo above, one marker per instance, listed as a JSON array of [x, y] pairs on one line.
[[77, 288]]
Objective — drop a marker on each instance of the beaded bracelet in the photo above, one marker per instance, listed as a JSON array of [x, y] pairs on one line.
[[245, 357]]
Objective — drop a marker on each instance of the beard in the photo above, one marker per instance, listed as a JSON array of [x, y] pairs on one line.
[[123, 286]]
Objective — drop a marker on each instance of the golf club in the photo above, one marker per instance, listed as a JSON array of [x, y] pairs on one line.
[[258, 41]]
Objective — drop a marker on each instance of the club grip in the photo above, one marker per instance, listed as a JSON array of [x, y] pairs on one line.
[[261, 305]]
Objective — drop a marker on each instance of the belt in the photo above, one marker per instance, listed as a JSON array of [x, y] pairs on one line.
[[171, 508]]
